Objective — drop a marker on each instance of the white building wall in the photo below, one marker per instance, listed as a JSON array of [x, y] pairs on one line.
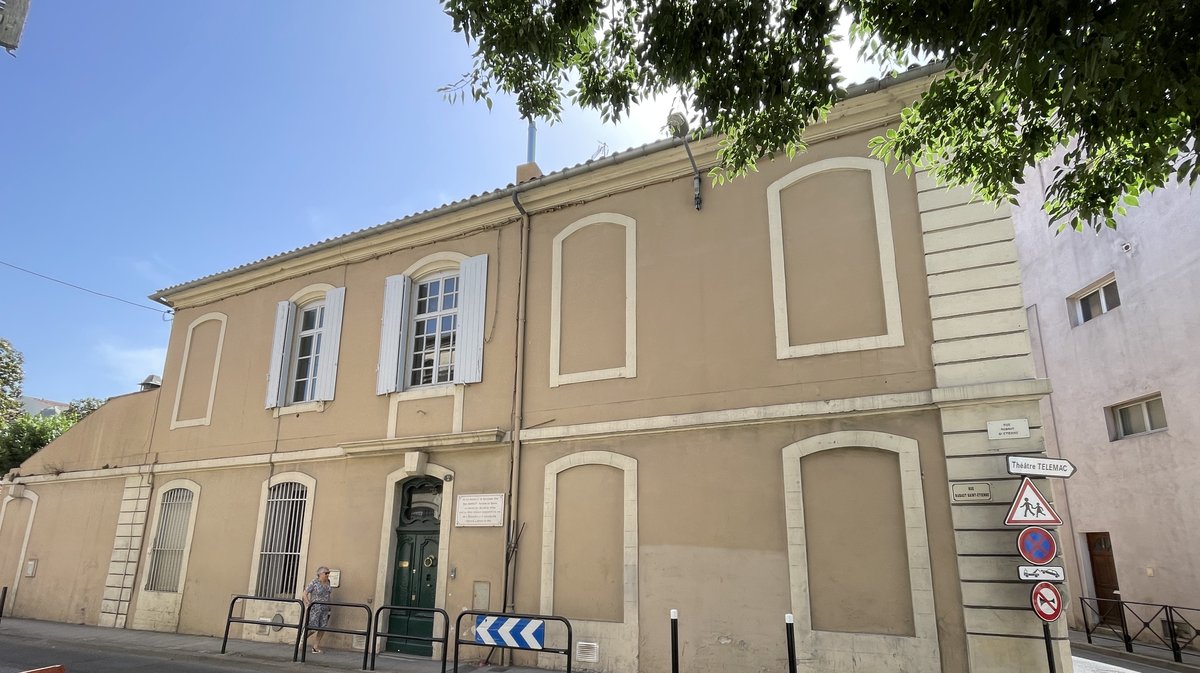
[[1143, 490]]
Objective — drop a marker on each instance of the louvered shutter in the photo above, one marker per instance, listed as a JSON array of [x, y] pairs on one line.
[[331, 340], [281, 348], [396, 292], [473, 300]]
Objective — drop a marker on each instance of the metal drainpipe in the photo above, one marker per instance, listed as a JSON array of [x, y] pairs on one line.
[[518, 413]]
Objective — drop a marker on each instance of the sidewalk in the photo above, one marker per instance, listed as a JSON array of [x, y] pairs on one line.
[[269, 656], [1114, 649]]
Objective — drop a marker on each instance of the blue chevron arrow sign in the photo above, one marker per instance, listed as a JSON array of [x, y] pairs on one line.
[[515, 632]]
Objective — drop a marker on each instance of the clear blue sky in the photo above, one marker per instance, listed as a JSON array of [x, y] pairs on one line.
[[149, 143]]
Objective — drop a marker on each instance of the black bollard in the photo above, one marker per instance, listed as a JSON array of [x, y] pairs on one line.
[[674, 641], [790, 628]]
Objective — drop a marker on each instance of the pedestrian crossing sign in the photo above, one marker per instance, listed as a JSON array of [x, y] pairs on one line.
[[1030, 508]]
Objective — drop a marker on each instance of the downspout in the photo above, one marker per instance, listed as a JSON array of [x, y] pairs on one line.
[[518, 414]]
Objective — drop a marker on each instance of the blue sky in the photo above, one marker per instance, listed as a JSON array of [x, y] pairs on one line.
[[149, 143]]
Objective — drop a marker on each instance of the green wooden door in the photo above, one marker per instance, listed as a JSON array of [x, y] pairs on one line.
[[414, 578]]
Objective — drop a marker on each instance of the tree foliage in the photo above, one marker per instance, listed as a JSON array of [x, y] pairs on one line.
[[1114, 82], [11, 377], [79, 409], [27, 434]]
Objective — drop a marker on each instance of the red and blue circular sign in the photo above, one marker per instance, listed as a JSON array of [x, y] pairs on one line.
[[1046, 601], [1037, 545]]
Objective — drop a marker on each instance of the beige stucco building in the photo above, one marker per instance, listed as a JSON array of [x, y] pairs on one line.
[[582, 396]]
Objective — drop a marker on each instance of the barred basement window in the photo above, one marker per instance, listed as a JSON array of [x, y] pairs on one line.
[[279, 558], [166, 556]]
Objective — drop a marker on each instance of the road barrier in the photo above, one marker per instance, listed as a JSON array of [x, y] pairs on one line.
[[366, 633], [512, 631], [1151, 625], [374, 645], [230, 619]]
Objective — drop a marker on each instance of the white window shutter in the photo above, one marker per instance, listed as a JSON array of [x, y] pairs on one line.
[[472, 302], [281, 347], [331, 340], [396, 291]]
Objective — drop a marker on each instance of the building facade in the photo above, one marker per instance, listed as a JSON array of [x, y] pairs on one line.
[[582, 396], [1107, 330]]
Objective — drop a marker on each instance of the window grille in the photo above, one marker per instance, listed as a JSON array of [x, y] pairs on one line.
[[166, 556], [283, 530]]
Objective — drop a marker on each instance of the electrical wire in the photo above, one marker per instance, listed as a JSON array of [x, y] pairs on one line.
[[98, 294]]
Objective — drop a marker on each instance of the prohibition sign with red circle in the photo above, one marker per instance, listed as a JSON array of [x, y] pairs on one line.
[[1037, 545], [1046, 601]]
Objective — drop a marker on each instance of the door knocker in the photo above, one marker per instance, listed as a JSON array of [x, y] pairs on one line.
[[430, 561]]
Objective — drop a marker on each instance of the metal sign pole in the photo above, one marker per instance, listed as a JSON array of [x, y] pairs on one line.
[[1049, 646]]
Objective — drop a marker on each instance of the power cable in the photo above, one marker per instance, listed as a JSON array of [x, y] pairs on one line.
[[98, 294]]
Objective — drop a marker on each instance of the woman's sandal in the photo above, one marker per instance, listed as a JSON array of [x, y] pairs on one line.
[[316, 651]]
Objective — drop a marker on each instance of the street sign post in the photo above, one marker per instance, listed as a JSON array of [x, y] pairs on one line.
[[1037, 545], [1040, 466], [1030, 508]]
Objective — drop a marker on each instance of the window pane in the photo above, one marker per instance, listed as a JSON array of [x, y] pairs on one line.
[[309, 320], [1158, 415], [1132, 420], [1111, 298], [306, 347], [1090, 306]]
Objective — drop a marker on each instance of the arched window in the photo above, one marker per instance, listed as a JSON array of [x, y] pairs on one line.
[[433, 317], [169, 547], [282, 540]]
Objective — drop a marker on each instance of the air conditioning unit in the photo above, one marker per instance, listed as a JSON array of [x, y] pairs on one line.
[[12, 20]]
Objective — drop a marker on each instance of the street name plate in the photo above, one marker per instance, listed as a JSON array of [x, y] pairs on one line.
[[980, 491], [1013, 428]]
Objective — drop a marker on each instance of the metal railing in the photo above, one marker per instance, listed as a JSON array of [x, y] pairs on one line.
[[1151, 625], [230, 619], [379, 633], [366, 633]]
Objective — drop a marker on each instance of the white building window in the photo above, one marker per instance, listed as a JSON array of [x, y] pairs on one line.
[[282, 541], [1139, 417], [170, 540], [1096, 300], [433, 318], [434, 329], [304, 352]]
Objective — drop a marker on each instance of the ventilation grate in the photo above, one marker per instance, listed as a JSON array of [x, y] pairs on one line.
[[587, 652]]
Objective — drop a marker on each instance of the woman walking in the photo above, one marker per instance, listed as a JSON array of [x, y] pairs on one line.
[[318, 591]]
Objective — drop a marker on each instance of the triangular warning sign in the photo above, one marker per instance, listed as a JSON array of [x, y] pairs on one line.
[[1030, 508]]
